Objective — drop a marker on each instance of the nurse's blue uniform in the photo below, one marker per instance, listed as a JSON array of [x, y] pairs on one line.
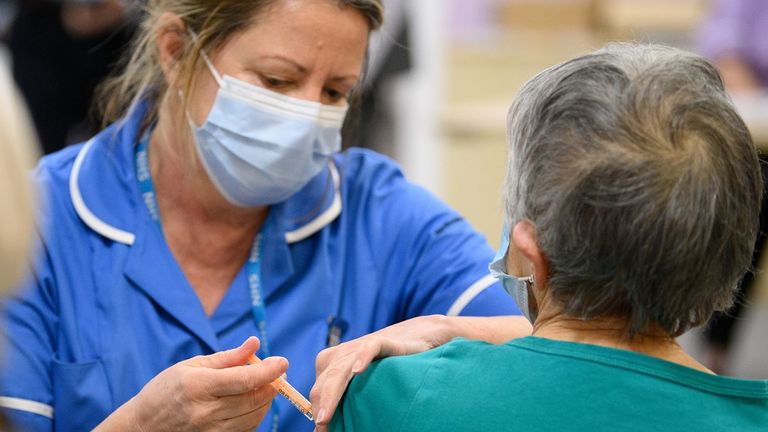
[[107, 306]]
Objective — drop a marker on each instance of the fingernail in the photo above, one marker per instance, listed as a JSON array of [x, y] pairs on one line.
[[280, 362], [321, 415], [357, 367]]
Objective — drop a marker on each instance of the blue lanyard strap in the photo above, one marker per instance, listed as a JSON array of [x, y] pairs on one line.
[[252, 267], [144, 177]]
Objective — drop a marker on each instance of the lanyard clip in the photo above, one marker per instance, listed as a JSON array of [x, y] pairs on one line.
[[336, 329]]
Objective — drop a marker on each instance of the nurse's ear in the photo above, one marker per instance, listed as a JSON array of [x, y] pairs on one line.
[[171, 37]]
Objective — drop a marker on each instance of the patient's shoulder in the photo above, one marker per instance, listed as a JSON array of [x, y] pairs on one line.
[[379, 398], [392, 391]]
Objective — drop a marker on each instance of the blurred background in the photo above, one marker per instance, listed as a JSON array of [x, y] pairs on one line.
[[442, 76]]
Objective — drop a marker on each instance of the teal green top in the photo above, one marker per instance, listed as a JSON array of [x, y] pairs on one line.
[[536, 384]]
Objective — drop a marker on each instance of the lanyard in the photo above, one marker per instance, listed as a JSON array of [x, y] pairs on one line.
[[252, 267]]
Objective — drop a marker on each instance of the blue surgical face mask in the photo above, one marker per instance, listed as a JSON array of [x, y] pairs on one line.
[[517, 287], [260, 147]]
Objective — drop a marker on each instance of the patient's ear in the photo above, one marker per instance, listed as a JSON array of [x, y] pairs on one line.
[[525, 240]]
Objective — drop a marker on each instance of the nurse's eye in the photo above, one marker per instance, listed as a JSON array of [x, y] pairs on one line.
[[275, 83], [335, 96]]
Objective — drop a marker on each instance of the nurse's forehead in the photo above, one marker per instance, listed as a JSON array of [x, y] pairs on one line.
[[320, 28]]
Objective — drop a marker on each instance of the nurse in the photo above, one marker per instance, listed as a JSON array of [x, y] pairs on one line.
[[215, 208]]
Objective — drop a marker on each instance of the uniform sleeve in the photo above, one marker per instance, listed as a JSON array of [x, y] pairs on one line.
[[380, 398], [30, 319], [448, 270], [430, 258]]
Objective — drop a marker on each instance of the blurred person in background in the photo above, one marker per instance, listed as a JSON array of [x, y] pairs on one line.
[[61, 50], [624, 169], [735, 38], [7, 13], [18, 151]]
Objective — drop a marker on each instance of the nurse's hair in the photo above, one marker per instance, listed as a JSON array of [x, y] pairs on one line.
[[642, 182], [214, 23], [18, 151]]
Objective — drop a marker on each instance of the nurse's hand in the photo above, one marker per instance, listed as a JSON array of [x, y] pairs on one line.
[[336, 366], [205, 393]]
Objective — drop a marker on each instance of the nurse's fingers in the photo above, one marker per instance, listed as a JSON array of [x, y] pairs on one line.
[[227, 359], [230, 407], [328, 390], [243, 379], [335, 367], [246, 422], [365, 349], [334, 371]]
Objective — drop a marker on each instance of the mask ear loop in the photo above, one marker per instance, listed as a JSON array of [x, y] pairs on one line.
[[216, 75], [211, 68], [529, 281]]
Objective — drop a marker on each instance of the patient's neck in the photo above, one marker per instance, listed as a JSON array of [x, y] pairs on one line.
[[610, 332]]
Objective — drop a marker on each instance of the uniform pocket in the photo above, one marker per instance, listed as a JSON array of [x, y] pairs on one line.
[[81, 396]]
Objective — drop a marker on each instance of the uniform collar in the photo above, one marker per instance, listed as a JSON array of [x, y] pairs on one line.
[[105, 169], [105, 194]]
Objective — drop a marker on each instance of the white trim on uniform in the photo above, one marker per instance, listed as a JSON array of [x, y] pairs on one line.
[[27, 406], [128, 238], [325, 218], [85, 213], [469, 294]]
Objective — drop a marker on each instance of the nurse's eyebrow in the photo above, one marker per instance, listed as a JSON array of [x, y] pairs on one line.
[[345, 78], [299, 68], [303, 70]]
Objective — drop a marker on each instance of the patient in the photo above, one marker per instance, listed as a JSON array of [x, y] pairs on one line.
[[632, 197]]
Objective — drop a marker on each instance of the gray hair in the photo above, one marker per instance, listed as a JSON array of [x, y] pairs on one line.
[[642, 182]]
